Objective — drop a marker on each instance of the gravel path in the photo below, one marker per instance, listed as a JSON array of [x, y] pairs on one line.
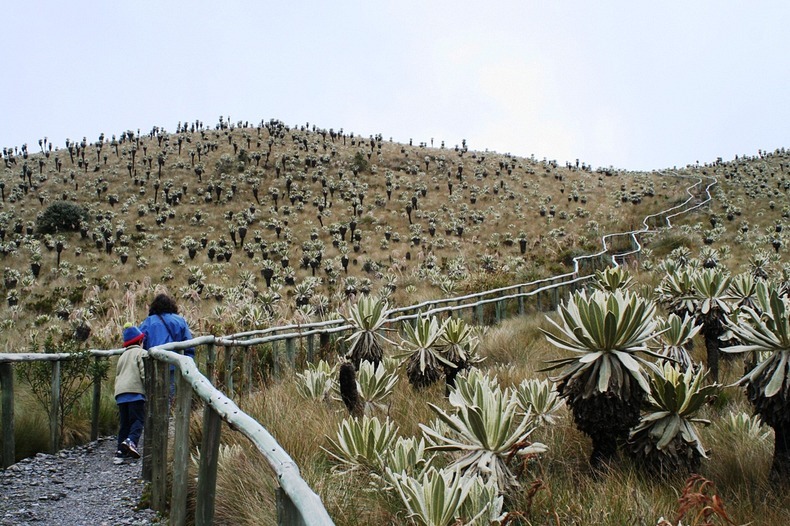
[[75, 487]]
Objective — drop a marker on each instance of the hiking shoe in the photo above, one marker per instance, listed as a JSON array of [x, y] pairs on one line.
[[130, 448]]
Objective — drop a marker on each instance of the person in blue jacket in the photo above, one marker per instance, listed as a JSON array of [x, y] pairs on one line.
[[164, 325]]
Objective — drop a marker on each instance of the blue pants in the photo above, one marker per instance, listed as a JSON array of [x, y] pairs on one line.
[[132, 419]]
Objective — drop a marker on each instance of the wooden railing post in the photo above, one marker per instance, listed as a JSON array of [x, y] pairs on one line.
[[290, 351], [183, 410], [148, 428], [229, 370], [211, 362], [520, 301], [246, 365], [287, 514], [275, 359], [54, 409], [311, 348], [324, 344], [161, 412], [9, 446], [207, 471], [498, 308], [97, 378], [479, 310]]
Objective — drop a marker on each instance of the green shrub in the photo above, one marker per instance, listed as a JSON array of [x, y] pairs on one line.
[[76, 375], [61, 216], [359, 164]]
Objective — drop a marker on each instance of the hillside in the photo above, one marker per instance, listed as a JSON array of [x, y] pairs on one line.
[[250, 225]]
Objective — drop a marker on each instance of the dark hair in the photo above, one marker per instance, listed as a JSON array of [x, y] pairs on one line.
[[163, 304]]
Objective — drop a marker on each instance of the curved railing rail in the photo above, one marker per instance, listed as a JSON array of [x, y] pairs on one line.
[[296, 502]]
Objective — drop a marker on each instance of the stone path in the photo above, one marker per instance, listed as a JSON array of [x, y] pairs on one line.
[[75, 487]]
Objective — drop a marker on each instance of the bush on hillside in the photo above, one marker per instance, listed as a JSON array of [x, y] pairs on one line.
[[61, 216]]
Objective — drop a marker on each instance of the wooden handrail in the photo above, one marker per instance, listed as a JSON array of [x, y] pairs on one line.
[[220, 407]]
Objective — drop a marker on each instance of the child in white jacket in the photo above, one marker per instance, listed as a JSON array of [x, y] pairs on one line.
[[130, 392]]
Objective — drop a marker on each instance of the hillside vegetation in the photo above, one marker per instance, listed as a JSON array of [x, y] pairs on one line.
[[249, 225]]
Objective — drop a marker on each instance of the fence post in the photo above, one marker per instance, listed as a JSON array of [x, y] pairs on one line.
[[247, 366], [183, 409], [54, 410], [479, 310], [207, 471], [290, 351], [275, 359], [498, 308], [310, 348], [7, 381], [229, 370], [324, 343], [211, 362], [161, 412], [148, 428], [520, 301], [287, 514], [96, 400]]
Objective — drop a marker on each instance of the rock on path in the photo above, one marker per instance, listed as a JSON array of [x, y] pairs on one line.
[[75, 487]]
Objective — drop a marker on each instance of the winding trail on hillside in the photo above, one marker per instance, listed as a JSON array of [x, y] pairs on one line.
[[84, 486]]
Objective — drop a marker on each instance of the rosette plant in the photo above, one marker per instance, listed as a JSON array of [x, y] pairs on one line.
[[459, 345], [766, 332], [368, 316], [487, 433], [604, 382], [613, 278], [675, 335], [540, 399], [316, 382], [712, 306], [362, 443], [406, 456], [675, 291], [374, 385], [446, 497], [666, 439], [423, 355], [471, 387], [742, 290]]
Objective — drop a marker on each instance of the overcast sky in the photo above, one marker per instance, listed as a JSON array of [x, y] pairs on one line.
[[637, 85]]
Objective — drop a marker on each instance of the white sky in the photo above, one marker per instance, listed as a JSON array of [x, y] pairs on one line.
[[633, 84]]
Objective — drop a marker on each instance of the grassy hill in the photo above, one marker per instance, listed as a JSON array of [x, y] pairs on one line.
[[206, 212], [252, 225]]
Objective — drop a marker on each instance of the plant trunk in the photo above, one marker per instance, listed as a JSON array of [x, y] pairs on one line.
[[712, 343], [605, 417], [347, 378], [781, 463], [604, 451]]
